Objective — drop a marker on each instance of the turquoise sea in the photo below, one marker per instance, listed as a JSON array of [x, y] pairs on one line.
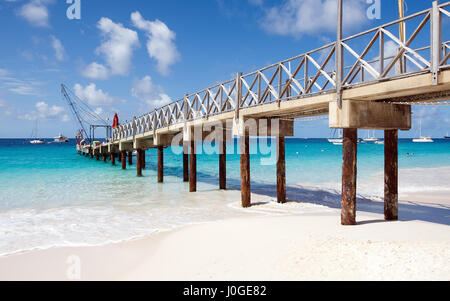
[[51, 196]]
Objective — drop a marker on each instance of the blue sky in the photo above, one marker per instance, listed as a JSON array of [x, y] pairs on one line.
[[129, 56]]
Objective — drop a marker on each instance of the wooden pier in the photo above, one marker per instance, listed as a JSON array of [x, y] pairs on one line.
[[361, 94]]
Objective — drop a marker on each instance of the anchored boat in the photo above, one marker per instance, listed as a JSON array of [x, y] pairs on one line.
[[34, 133], [369, 138], [61, 139], [337, 141], [422, 139]]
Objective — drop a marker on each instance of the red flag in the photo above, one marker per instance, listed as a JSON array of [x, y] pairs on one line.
[[115, 121]]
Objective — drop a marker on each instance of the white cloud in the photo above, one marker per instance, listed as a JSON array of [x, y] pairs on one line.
[[298, 17], [95, 71], [58, 47], [45, 112], [5, 108], [3, 72], [21, 86], [99, 111], [151, 94], [256, 2], [390, 49], [36, 12], [92, 95], [118, 46], [160, 44]]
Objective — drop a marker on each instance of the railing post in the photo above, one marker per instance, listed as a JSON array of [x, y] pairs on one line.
[[155, 124], [381, 46], [436, 41], [186, 114], [280, 84], [238, 94], [134, 128], [339, 56]]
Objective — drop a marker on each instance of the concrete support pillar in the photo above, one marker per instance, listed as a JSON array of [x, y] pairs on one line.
[[139, 160], [123, 159], [245, 170], [192, 167], [160, 164], [223, 162], [391, 175], [185, 162], [348, 210], [281, 170], [113, 159], [130, 158]]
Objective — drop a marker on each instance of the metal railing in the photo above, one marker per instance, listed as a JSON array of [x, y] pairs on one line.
[[370, 56]]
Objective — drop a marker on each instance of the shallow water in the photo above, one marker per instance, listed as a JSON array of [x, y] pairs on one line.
[[53, 197]]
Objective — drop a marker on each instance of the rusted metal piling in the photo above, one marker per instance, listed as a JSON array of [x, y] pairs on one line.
[[113, 159], [245, 170], [185, 162], [143, 163], [130, 158], [348, 210], [123, 159], [281, 170], [139, 161], [160, 164], [192, 167], [391, 175], [223, 162], [97, 156], [104, 157]]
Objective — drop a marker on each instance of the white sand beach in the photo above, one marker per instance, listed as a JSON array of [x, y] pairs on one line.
[[295, 241]]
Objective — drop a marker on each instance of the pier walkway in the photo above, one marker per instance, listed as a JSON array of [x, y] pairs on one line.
[[365, 81]]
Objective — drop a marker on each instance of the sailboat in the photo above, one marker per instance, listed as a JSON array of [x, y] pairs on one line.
[[337, 141], [447, 137], [422, 139], [34, 133], [369, 138]]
